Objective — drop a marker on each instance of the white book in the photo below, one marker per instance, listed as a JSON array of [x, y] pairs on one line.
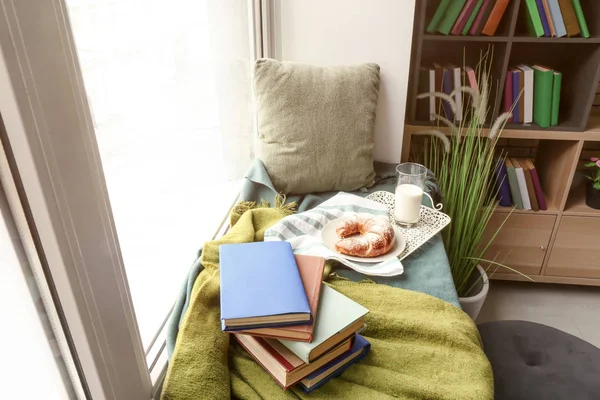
[[528, 93], [522, 184], [432, 111], [456, 73]]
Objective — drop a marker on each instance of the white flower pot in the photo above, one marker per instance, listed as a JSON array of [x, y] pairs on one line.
[[472, 305]]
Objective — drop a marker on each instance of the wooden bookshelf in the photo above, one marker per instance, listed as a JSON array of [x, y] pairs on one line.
[[558, 245]]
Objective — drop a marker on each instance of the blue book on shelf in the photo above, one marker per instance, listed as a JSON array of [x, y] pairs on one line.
[[334, 368], [448, 87], [557, 19], [261, 287], [516, 98], [542, 12], [503, 186]]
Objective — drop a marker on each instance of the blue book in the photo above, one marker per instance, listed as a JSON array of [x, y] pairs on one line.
[[448, 87], [516, 97], [334, 368], [542, 12], [503, 185], [261, 287], [557, 19]]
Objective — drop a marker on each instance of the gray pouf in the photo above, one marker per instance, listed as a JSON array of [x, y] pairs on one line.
[[533, 361]]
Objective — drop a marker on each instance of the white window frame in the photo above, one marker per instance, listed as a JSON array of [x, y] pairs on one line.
[[50, 136]]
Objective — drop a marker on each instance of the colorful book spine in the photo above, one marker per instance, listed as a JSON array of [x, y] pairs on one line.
[[540, 8], [495, 17], [503, 186], [437, 17], [513, 184], [522, 184], [556, 83], [508, 93], [557, 18], [432, 89], [585, 32], [516, 92], [463, 17], [570, 18], [529, 184], [549, 18], [471, 19], [542, 95], [534, 21], [448, 86], [451, 16], [482, 16], [539, 193]]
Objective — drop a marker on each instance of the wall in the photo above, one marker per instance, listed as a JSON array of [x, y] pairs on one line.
[[334, 32]]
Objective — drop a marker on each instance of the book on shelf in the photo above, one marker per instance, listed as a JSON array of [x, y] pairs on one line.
[[527, 93], [252, 276], [360, 349], [521, 101], [556, 84], [542, 95], [549, 18], [543, 18], [515, 193], [529, 184], [495, 17], [534, 21], [457, 79], [522, 183], [471, 78], [481, 18], [570, 18], [450, 16], [557, 19], [283, 365], [437, 17], [311, 273], [448, 87], [463, 17], [581, 19], [338, 318], [502, 184], [508, 93], [472, 17], [517, 93], [539, 193], [439, 87]]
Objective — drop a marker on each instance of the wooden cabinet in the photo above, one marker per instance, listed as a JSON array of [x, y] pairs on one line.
[[576, 250], [522, 242]]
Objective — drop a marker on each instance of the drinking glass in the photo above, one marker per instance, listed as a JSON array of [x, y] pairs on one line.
[[409, 193]]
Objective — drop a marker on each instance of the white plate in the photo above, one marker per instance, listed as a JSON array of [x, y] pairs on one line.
[[330, 238]]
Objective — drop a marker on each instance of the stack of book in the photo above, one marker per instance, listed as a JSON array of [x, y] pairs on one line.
[[533, 94], [275, 305], [556, 18], [462, 17], [438, 78], [519, 184]]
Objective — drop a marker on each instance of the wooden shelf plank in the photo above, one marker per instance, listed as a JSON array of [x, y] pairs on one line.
[[543, 40], [453, 38], [517, 211], [576, 204], [592, 135]]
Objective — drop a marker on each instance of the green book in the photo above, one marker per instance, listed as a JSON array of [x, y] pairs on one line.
[[513, 183], [581, 19], [437, 17], [338, 318], [450, 17], [542, 95], [472, 17], [534, 20], [555, 97]]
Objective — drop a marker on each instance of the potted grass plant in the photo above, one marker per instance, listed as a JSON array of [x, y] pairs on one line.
[[462, 155], [593, 189]]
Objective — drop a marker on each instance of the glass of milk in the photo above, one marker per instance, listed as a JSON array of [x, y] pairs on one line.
[[409, 193]]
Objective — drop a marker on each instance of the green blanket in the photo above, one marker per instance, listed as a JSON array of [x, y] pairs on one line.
[[422, 347]]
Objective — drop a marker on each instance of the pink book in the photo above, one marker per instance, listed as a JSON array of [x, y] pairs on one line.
[[472, 78], [539, 193], [478, 23], [508, 92], [463, 17]]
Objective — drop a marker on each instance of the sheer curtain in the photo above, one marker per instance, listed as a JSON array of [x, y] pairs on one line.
[[169, 87]]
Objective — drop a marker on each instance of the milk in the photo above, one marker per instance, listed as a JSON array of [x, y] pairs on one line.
[[408, 203]]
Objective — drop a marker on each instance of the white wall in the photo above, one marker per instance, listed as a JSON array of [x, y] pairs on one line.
[[335, 32]]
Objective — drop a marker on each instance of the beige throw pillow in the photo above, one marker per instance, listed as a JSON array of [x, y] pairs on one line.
[[316, 125]]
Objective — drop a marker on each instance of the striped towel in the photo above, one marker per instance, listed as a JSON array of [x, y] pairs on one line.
[[303, 231]]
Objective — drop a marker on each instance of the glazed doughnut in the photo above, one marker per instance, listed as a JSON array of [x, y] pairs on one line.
[[376, 236]]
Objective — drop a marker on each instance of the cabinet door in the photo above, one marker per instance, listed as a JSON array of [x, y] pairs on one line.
[[576, 250], [521, 243]]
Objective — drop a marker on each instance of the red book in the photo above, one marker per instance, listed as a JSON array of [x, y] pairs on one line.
[[508, 93], [537, 187], [281, 363], [481, 17], [495, 17], [311, 273], [463, 17]]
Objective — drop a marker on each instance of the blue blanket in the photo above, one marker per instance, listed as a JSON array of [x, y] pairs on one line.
[[426, 270]]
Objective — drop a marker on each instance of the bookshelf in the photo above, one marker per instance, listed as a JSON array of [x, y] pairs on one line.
[[559, 245]]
